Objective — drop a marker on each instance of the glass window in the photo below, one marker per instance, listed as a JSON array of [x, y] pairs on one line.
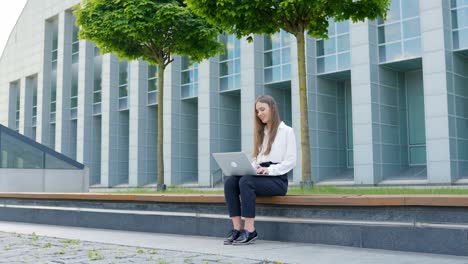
[[123, 73], [390, 52], [463, 37], [331, 27], [97, 52], [74, 88], [400, 31], [237, 49], [97, 109], [344, 61], [410, 8], [277, 56], [237, 66], [18, 98], [55, 39], [412, 48], [185, 63], [393, 13], [330, 52], [342, 27], [343, 43], [390, 33], [75, 45], [460, 39], [286, 71], [152, 78], [97, 98], [272, 74], [74, 103], [455, 19], [268, 59], [54, 56], [75, 34], [34, 106], [275, 41], [321, 65], [460, 23], [53, 95], [153, 71], [276, 75], [224, 83], [267, 45], [330, 46], [417, 155], [224, 68], [286, 55], [411, 28], [458, 3], [97, 76], [320, 48], [53, 74], [330, 63], [53, 107], [189, 78], [186, 77], [15, 103], [285, 39], [123, 85], [123, 91], [54, 27], [229, 64], [123, 103]]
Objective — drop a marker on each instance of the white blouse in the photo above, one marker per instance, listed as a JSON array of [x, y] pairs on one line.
[[283, 151]]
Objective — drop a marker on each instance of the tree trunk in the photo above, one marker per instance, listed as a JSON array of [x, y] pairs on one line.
[[305, 140], [160, 154]]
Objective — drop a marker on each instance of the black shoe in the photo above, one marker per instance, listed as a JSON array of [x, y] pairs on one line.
[[233, 235], [245, 238]]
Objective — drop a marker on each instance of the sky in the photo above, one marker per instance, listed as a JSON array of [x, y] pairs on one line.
[[9, 13]]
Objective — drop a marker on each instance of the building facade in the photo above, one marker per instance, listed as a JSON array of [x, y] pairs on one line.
[[388, 99]]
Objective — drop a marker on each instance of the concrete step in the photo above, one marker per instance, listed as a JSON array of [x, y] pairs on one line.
[[430, 229]]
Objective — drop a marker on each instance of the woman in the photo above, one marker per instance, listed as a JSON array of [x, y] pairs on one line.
[[274, 155]]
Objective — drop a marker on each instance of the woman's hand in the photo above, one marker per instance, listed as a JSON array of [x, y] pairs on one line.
[[262, 170]]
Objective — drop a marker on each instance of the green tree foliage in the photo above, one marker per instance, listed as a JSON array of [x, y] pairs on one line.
[[246, 17], [151, 30]]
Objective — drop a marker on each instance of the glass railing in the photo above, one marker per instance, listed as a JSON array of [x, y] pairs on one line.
[[20, 152]]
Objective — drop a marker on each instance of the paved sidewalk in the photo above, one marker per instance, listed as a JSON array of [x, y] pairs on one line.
[[22, 248], [56, 244]]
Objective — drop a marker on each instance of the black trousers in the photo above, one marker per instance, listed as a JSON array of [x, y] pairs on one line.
[[249, 187]]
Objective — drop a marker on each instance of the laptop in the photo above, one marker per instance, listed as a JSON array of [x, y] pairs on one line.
[[235, 164]]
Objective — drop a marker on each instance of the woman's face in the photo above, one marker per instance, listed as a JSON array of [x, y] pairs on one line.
[[263, 112]]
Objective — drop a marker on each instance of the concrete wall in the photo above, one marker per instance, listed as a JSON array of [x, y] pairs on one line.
[[24, 180]]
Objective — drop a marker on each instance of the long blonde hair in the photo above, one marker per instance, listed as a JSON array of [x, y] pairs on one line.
[[259, 126]]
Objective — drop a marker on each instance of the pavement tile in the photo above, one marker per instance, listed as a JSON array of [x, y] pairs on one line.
[[16, 248]]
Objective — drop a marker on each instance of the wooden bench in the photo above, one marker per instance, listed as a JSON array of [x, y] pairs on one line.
[[310, 200]]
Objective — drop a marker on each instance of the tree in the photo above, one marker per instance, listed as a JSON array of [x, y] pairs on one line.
[[246, 17], [151, 30]]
